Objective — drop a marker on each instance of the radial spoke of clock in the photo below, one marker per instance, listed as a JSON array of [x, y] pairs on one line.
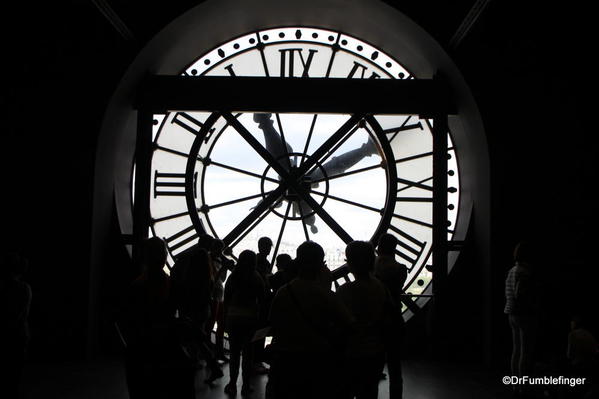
[[407, 219], [304, 223], [245, 172], [283, 223], [324, 215], [352, 172], [418, 156], [329, 143], [357, 204], [238, 200], [169, 217], [171, 151], [308, 139], [402, 128], [263, 152], [335, 148], [256, 213], [250, 228]]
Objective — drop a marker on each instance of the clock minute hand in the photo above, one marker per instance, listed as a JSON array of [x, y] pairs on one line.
[[273, 140], [278, 149]]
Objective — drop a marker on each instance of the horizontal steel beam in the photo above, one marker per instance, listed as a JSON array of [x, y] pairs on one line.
[[423, 97]]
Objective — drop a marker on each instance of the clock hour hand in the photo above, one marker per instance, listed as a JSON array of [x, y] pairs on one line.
[[279, 149], [274, 143], [343, 162]]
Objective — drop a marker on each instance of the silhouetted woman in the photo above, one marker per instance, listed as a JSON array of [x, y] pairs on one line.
[[244, 294], [521, 308]]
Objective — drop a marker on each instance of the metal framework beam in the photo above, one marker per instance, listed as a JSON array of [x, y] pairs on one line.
[[253, 94]]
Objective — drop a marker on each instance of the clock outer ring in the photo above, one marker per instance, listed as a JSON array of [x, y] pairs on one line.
[[387, 155]]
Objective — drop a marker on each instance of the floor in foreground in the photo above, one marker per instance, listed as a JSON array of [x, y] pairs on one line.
[[106, 379]]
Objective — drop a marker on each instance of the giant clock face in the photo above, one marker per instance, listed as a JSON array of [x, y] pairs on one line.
[[330, 178]]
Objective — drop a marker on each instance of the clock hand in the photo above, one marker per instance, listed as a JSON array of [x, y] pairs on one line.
[[343, 162], [274, 142], [278, 149], [336, 165]]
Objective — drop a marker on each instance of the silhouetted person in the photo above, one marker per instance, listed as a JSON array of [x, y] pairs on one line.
[[521, 308], [192, 299], [155, 363], [15, 301], [221, 265], [244, 294], [365, 298], [308, 322], [264, 268], [286, 272], [393, 275]]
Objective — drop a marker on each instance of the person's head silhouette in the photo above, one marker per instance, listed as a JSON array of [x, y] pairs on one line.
[[360, 258], [246, 263], [387, 244], [522, 253], [310, 258], [283, 261], [154, 255], [264, 245]]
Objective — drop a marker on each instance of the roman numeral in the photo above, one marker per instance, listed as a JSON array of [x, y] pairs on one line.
[[361, 71], [288, 61], [411, 248], [172, 184], [229, 69], [405, 126], [191, 124], [178, 240], [187, 122], [417, 184]]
